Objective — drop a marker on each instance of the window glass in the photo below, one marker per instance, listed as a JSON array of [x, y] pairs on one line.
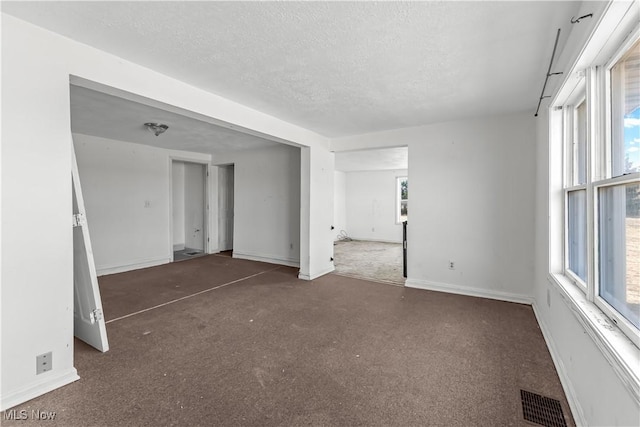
[[580, 145], [625, 113], [619, 237], [577, 232], [403, 199]]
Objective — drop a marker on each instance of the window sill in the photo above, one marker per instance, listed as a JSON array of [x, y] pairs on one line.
[[621, 353]]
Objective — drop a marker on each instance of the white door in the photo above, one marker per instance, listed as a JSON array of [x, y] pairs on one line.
[[194, 201], [225, 206], [88, 321], [177, 195]]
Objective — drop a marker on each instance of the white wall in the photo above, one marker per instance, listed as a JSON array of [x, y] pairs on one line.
[[177, 177], [266, 204], [371, 205], [37, 257], [126, 189], [339, 203], [317, 173], [472, 185]]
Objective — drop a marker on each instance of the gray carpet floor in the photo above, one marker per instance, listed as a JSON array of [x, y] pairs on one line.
[[269, 349]]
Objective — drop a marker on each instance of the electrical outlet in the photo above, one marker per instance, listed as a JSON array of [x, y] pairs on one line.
[[44, 363], [452, 265]]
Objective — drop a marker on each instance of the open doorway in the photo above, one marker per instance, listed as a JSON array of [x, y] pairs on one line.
[[225, 208], [371, 206], [188, 184]]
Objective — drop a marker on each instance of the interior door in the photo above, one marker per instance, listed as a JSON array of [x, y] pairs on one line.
[[194, 200], [225, 205], [88, 320]]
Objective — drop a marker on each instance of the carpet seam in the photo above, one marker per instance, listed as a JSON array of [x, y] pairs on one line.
[[190, 296]]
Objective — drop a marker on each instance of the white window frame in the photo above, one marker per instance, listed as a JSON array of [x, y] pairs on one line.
[[569, 161], [618, 319], [604, 103], [614, 33], [577, 280]]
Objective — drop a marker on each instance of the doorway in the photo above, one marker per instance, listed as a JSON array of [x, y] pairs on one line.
[[371, 196], [188, 185], [225, 207]]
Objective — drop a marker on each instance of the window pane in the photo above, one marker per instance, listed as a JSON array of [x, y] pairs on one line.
[[619, 234], [577, 232], [580, 145], [403, 199], [625, 113]]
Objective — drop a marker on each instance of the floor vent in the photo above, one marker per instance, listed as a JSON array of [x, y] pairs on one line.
[[542, 410], [193, 253]]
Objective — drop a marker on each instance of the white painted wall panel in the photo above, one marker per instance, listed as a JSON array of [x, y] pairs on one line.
[[37, 250], [471, 202], [371, 204], [266, 204], [320, 177]]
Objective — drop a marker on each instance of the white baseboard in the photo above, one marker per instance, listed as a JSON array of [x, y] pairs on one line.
[[267, 258], [104, 270], [315, 275], [179, 247], [38, 389], [574, 403], [465, 290]]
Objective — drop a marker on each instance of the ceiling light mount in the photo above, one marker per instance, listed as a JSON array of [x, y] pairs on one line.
[[156, 128]]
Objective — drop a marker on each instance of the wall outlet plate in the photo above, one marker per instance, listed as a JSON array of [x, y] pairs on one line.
[[44, 363]]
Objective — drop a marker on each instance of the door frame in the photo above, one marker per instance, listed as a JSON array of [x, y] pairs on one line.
[[206, 214], [219, 213]]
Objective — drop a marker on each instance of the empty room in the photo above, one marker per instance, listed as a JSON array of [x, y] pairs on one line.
[[181, 180], [370, 214]]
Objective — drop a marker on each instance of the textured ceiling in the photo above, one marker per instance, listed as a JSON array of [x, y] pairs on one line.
[[98, 114], [338, 68], [373, 160]]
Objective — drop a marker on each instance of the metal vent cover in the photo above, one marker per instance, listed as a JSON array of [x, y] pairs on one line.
[[542, 410]]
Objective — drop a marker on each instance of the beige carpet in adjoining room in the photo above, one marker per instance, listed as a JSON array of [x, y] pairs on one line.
[[377, 261]]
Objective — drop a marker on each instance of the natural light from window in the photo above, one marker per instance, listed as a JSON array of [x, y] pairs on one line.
[[403, 198]]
